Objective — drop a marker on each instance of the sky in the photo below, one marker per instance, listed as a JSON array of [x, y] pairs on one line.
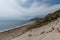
[[26, 9]]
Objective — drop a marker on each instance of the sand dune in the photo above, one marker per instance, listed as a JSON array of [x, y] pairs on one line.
[[50, 31]]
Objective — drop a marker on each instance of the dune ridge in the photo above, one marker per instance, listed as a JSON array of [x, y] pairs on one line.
[[50, 31]]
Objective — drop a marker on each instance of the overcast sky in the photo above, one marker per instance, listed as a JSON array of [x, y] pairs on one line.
[[26, 9]]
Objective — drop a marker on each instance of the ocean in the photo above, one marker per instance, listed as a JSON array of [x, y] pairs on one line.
[[10, 24]]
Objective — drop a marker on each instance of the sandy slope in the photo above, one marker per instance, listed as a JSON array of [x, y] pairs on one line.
[[50, 31]]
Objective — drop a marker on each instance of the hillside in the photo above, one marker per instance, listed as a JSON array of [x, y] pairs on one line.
[[50, 31], [50, 17], [46, 29]]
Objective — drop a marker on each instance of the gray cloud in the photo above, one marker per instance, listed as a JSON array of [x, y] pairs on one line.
[[13, 10]]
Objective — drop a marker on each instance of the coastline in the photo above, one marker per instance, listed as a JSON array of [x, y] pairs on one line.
[[12, 33], [18, 26]]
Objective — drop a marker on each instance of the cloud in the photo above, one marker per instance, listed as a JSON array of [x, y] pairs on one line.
[[26, 9]]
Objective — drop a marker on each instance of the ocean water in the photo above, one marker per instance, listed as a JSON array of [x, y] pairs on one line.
[[10, 24]]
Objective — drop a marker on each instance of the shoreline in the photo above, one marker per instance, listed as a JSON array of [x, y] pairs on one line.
[[17, 27], [10, 34]]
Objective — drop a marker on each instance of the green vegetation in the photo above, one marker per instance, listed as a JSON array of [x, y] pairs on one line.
[[50, 17]]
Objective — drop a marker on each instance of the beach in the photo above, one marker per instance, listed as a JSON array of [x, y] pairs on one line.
[[10, 34]]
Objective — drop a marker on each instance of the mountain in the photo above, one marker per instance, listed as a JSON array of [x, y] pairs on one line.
[[47, 18], [50, 17], [37, 19]]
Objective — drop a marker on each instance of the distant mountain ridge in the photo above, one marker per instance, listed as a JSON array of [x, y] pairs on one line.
[[47, 19], [36, 19]]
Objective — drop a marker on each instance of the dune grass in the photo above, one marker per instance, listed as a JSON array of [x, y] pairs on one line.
[[48, 19]]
